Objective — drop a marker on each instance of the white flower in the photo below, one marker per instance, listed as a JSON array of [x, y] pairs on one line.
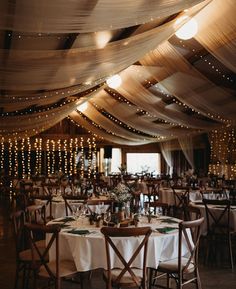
[[121, 193]]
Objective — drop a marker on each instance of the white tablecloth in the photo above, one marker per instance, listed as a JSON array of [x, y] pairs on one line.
[[88, 251], [58, 206], [166, 195], [216, 211]]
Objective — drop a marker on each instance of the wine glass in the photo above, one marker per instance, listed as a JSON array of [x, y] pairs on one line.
[[83, 212], [75, 212], [108, 217]]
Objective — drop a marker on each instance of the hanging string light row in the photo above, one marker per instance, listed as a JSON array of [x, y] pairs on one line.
[[88, 131], [149, 83], [118, 122], [37, 109], [26, 157]]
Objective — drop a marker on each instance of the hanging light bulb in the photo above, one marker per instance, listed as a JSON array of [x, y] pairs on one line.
[[114, 81], [188, 30], [82, 107]]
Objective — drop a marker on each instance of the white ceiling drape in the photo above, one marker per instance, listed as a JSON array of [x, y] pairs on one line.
[[57, 54]]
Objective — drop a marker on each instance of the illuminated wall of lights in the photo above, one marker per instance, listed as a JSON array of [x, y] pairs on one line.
[[27, 157], [223, 153]]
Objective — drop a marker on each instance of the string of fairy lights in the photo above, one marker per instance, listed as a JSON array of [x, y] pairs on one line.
[[38, 156], [223, 153], [215, 69]]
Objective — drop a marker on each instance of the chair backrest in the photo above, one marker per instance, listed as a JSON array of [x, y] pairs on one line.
[[36, 214], [191, 213], [69, 199], [109, 233], [39, 254], [181, 195], [159, 207], [191, 240], [18, 222], [108, 203], [217, 215]]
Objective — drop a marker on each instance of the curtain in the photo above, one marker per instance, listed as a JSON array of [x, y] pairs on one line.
[[166, 152], [186, 145]]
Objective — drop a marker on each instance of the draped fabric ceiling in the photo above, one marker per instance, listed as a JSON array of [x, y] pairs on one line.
[[56, 55]]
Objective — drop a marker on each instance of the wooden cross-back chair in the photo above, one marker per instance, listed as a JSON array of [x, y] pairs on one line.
[[47, 198], [23, 251], [108, 203], [159, 207], [191, 213], [219, 229], [181, 197], [22, 260], [126, 276], [43, 268], [184, 269], [36, 214], [71, 200], [152, 191]]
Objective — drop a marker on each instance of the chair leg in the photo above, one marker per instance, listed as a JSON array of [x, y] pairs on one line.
[[81, 280], [231, 253], [198, 280], [180, 281], [24, 277], [150, 278], [16, 276], [168, 281]]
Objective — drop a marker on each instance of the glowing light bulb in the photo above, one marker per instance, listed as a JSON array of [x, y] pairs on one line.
[[83, 106], [188, 30], [114, 81]]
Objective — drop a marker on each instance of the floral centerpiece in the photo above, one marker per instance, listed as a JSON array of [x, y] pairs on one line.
[[121, 195], [123, 169]]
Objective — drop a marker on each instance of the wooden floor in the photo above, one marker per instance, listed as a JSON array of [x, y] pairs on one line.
[[211, 277]]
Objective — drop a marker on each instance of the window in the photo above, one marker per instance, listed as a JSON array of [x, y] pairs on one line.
[[116, 160], [110, 165], [143, 163]]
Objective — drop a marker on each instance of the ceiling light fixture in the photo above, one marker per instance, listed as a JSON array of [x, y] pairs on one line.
[[114, 81], [188, 30]]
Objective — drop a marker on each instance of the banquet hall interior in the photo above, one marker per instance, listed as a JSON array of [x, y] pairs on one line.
[[117, 124]]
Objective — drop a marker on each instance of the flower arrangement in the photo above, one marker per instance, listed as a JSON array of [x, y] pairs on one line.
[[121, 194], [123, 169]]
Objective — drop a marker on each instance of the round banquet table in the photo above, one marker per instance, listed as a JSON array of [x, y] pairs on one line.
[[88, 250]]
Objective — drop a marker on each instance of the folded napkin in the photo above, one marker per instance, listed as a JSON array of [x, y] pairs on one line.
[[64, 220], [63, 225], [198, 203], [165, 230], [169, 221], [79, 232]]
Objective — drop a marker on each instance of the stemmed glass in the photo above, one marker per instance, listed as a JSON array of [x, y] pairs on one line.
[[75, 212], [108, 217], [83, 211]]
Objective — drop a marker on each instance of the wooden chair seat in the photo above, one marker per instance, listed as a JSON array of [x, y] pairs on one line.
[[126, 278], [26, 255], [172, 265], [67, 267]]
